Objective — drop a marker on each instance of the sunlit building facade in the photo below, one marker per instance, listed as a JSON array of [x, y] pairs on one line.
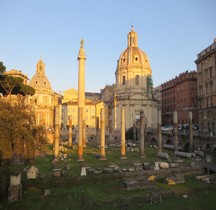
[[206, 85], [134, 87]]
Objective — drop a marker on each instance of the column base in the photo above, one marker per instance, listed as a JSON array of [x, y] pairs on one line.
[[80, 160], [103, 158], [142, 156], [123, 158]]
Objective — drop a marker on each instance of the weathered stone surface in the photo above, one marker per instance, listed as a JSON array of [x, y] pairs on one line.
[[204, 178], [14, 192], [15, 179], [164, 165], [112, 165], [163, 155], [174, 165], [83, 171], [47, 192], [137, 164], [131, 169], [183, 154], [138, 168], [208, 159], [177, 179], [57, 172], [108, 170], [168, 146], [156, 167], [32, 172], [146, 166], [131, 184], [124, 169], [199, 152]]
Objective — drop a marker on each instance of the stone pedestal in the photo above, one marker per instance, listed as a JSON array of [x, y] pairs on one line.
[[14, 192], [15, 188]]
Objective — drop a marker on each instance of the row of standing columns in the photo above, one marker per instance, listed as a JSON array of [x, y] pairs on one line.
[[82, 141], [81, 134], [175, 124]]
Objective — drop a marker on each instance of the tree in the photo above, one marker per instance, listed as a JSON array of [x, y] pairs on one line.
[[13, 85], [2, 68], [17, 131]]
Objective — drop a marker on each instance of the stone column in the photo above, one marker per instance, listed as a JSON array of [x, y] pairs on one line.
[[175, 123], [56, 141], [102, 136], [142, 138], [70, 132], [123, 134], [80, 134], [134, 131], [81, 98], [84, 133], [97, 130], [190, 131], [159, 132]]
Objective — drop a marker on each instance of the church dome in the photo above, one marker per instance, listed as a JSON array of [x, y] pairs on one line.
[[39, 81], [133, 67], [133, 56]]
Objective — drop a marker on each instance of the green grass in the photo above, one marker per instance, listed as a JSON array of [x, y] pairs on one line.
[[112, 195], [106, 194]]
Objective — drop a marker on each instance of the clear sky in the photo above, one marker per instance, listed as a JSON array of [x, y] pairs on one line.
[[171, 33]]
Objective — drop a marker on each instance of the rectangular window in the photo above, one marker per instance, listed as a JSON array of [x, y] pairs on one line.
[[123, 80], [137, 80]]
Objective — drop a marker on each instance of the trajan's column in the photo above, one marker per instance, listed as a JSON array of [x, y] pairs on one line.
[[81, 99]]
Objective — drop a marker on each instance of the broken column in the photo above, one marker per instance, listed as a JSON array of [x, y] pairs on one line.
[[102, 136], [70, 143], [15, 188], [57, 127], [175, 124], [123, 134], [142, 127], [190, 132], [159, 132]]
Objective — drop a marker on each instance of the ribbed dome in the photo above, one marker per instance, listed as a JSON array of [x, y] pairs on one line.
[[39, 80], [133, 56]]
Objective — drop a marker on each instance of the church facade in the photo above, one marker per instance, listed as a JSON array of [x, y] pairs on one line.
[[44, 98], [134, 88]]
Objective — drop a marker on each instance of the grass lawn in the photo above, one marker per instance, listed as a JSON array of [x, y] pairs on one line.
[[107, 194]]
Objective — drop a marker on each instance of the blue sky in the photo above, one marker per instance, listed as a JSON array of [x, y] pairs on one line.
[[171, 33]]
